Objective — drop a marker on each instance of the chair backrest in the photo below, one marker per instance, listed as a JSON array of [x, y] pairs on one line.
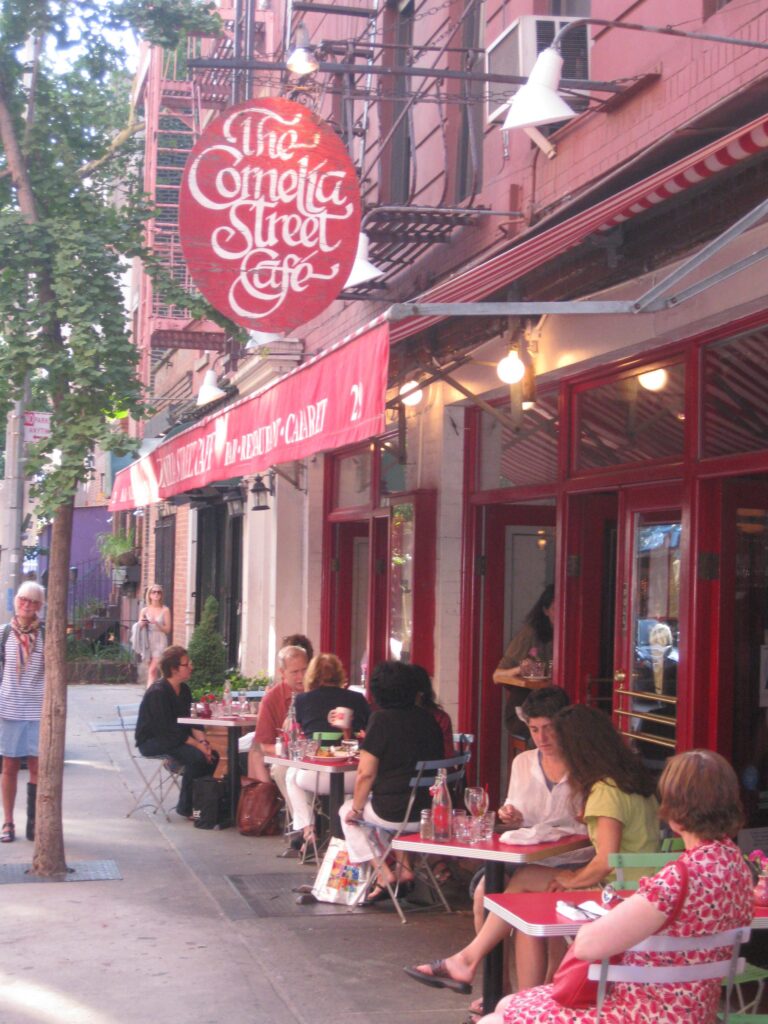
[[129, 716], [327, 738], [427, 770], [620, 861], [725, 968]]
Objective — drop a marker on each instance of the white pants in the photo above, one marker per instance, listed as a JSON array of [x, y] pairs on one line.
[[303, 786], [359, 839]]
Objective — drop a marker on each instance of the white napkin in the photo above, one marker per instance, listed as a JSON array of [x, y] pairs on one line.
[[586, 911], [544, 832]]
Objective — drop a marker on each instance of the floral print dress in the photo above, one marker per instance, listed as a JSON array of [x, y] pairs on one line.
[[719, 897]]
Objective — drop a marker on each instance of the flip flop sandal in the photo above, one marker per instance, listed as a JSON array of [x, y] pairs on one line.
[[439, 978], [9, 832]]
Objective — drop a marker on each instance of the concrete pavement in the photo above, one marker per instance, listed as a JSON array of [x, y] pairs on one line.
[[201, 927]]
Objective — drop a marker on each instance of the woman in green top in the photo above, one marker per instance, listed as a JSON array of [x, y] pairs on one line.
[[615, 796]]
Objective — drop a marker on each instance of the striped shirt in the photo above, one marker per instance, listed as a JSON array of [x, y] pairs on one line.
[[21, 697]]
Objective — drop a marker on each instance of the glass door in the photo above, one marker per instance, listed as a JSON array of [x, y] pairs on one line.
[[649, 627]]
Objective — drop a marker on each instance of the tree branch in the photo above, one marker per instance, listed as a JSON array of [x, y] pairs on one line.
[[114, 147]]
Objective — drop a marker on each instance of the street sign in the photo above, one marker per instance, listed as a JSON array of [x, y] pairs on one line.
[[37, 426]]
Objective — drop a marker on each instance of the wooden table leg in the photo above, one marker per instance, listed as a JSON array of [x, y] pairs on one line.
[[493, 964]]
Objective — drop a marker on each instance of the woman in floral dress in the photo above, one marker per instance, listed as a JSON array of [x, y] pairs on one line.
[[700, 800]]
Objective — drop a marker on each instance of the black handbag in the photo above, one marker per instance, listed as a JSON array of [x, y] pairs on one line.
[[210, 803]]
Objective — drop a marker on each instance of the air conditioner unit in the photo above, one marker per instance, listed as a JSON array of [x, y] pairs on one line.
[[515, 50]]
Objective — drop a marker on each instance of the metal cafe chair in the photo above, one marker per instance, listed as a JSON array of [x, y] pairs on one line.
[[159, 774], [751, 974], [725, 968], [380, 839]]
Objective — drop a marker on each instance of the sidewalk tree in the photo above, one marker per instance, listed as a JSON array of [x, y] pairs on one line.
[[71, 217]]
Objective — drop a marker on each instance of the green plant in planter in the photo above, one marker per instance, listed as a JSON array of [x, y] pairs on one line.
[[117, 548], [207, 650]]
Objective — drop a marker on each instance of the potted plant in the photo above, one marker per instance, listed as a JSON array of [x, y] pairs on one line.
[[117, 548], [206, 648]]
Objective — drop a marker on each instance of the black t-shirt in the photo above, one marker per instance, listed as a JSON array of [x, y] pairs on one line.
[[312, 709], [399, 738]]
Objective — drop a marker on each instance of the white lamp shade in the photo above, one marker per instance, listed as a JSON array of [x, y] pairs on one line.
[[538, 102], [209, 389], [362, 269], [302, 62]]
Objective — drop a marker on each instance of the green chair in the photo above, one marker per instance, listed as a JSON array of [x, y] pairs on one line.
[[751, 975]]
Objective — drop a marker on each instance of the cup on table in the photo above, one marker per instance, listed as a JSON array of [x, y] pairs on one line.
[[296, 749], [488, 824], [341, 718], [311, 747], [461, 826]]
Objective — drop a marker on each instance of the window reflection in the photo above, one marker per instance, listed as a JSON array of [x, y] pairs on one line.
[[401, 582]]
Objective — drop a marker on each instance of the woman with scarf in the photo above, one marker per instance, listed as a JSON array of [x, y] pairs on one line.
[[21, 700]]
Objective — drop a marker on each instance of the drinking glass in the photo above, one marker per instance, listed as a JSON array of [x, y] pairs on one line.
[[488, 824], [475, 800]]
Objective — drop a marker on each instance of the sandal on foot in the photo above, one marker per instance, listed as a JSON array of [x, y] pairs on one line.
[[9, 832], [377, 894], [442, 872], [438, 978]]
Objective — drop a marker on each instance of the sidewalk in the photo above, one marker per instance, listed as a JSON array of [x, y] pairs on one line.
[[174, 941]]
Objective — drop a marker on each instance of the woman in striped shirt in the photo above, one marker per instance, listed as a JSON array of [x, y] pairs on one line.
[[21, 701]]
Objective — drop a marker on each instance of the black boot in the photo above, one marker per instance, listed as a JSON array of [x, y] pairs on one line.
[[31, 806]]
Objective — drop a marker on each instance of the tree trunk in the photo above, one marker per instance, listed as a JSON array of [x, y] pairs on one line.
[[48, 860]]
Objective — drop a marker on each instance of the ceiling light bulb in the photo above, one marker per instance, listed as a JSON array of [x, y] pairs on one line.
[[511, 368], [411, 393], [653, 380]]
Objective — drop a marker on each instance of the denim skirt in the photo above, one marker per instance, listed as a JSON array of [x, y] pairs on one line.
[[19, 738]]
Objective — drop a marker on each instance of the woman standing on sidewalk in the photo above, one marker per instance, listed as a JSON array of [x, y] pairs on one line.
[[21, 700], [155, 617]]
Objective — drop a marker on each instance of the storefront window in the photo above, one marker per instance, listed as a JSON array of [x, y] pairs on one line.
[[353, 480], [635, 419], [392, 469], [520, 458], [401, 582], [734, 411]]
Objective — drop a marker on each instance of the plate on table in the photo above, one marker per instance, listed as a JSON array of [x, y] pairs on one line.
[[334, 759]]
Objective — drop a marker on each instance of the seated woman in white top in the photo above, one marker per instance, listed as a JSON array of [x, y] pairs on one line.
[[538, 792]]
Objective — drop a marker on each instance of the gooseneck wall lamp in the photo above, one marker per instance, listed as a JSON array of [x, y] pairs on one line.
[[538, 101]]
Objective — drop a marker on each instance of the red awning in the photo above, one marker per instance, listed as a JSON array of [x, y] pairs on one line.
[[335, 399], [482, 280]]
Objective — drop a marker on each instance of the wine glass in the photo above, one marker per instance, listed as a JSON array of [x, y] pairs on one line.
[[476, 801]]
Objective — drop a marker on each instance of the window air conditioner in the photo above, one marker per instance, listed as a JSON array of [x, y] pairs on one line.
[[515, 50]]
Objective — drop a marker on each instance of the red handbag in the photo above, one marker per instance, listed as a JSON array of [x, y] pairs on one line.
[[571, 985]]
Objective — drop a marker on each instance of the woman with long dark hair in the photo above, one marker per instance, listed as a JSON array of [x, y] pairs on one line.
[[615, 796], [532, 643]]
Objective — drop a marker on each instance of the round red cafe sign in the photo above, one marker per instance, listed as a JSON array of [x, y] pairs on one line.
[[269, 214]]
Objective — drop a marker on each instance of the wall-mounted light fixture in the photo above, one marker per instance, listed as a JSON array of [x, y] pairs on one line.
[[362, 269], [209, 390], [302, 60], [235, 501], [538, 102], [262, 492]]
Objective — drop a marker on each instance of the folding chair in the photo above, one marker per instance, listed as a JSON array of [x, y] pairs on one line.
[[725, 968], [160, 779], [381, 847], [750, 975]]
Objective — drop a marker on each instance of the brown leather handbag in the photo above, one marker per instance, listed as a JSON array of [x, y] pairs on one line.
[[258, 809]]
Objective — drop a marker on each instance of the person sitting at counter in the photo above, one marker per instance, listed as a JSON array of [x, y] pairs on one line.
[[532, 642]]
